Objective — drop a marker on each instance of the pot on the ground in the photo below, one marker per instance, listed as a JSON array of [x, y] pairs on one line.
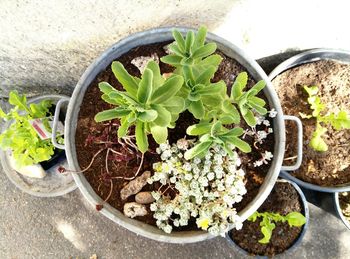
[[53, 184], [101, 63], [297, 60], [339, 210], [297, 242]]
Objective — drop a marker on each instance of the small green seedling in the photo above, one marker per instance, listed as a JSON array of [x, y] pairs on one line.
[[150, 103], [248, 101], [294, 219], [340, 120], [21, 138]]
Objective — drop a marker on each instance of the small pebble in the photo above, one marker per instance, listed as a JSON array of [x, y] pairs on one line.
[[133, 209], [135, 185], [144, 198]]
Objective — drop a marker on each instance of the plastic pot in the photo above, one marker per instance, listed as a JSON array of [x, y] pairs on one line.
[[339, 210], [298, 241], [300, 59], [53, 184], [155, 36]]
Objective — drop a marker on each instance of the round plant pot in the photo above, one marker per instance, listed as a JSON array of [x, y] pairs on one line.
[[297, 242], [339, 210], [155, 36], [297, 60], [53, 184]]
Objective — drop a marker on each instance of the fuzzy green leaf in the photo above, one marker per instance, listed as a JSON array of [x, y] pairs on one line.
[[175, 105], [164, 116], [197, 150], [158, 79], [111, 114], [237, 142], [160, 134], [180, 41], [144, 91], [124, 126], [189, 42], [128, 82], [141, 136], [249, 118], [295, 219], [238, 85], [171, 59], [206, 75], [200, 37], [204, 51], [147, 115], [171, 86], [199, 129], [197, 109], [106, 88]]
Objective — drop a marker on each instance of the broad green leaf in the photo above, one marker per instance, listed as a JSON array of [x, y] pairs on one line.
[[158, 79], [147, 115], [212, 60], [235, 132], [188, 75], [312, 90], [189, 42], [18, 100], [258, 108], [111, 114], [295, 219], [227, 118], [171, 59], [171, 86], [267, 232], [145, 89], [141, 137], [197, 109], [200, 37], [204, 51], [106, 88], [40, 110], [175, 105], [316, 142], [237, 142], [113, 98], [164, 116], [198, 129], [206, 75], [258, 86], [197, 149], [238, 85], [160, 134], [217, 89], [176, 50], [179, 40], [257, 101], [128, 82]]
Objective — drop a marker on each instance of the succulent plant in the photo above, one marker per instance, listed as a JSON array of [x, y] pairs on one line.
[[150, 103]]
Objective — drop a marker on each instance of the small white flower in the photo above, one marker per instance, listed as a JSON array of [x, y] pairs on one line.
[[196, 160], [210, 176], [182, 144], [268, 155], [187, 167], [258, 163], [266, 123], [261, 134], [272, 113], [270, 130]]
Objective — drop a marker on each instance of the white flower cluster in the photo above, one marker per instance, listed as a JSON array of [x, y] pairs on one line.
[[206, 189], [265, 158]]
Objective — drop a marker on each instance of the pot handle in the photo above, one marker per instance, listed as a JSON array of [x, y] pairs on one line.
[[55, 122], [299, 144]]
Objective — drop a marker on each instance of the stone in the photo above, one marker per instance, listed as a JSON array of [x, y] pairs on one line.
[[144, 198], [142, 61], [135, 185], [133, 209]]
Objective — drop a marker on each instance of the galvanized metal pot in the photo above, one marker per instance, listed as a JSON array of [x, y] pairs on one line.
[[101, 63], [54, 184], [300, 59], [297, 242], [339, 210]]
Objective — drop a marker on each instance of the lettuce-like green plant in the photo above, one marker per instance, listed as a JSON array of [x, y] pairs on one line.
[[150, 103], [248, 101], [211, 133], [294, 219], [340, 120], [195, 61], [21, 138]]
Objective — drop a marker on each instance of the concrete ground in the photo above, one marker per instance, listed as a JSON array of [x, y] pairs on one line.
[[46, 45]]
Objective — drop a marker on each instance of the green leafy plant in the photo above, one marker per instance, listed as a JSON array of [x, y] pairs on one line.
[[195, 61], [338, 121], [247, 101], [150, 103], [294, 219], [21, 138]]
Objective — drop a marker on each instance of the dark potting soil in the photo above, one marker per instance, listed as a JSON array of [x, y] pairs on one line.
[[283, 199], [328, 168], [89, 134]]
